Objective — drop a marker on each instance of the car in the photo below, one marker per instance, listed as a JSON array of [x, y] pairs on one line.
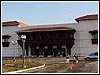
[[92, 56]]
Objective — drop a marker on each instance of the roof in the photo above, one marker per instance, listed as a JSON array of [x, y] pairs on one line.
[[22, 24], [45, 29], [87, 17], [93, 31], [10, 23], [6, 36], [14, 23]]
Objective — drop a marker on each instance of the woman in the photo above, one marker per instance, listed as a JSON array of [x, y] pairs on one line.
[[67, 58], [75, 58]]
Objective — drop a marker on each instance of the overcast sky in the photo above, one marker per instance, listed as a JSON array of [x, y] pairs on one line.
[[42, 13]]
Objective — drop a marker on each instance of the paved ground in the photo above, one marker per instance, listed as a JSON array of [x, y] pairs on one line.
[[57, 65]]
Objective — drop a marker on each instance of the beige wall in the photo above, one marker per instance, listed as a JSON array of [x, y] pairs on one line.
[[83, 44], [9, 51]]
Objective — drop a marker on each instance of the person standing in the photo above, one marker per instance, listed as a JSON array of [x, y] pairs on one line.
[[75, 58], [67, 58]]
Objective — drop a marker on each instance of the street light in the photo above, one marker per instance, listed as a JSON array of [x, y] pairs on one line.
[[14, 43], [23, 40]]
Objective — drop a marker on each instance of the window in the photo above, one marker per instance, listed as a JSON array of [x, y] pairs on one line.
[[94, 38], [5, 41]]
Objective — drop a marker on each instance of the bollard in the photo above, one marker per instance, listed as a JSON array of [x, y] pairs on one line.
[[71, 66]]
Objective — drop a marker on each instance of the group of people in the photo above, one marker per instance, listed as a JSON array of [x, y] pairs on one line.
[[75, 58]]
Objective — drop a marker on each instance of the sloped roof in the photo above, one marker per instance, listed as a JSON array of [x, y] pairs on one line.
[[93, 31], [45, 29], [10, 23], [14, 23], [22, 24], [87, 17]]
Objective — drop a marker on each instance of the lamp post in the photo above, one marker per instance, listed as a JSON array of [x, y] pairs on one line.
[[23, 40], [14, 43]]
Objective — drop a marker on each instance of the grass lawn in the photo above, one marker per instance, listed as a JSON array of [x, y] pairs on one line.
[[9, 65]]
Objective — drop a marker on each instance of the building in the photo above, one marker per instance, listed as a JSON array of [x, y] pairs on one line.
[[54, 40], [8, 35]]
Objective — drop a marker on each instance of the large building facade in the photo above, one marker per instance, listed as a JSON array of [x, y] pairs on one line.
[[56, 40]]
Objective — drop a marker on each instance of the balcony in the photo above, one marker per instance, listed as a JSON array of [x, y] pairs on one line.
[[39, 42]]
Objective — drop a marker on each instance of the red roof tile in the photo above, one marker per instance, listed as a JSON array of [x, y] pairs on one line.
[[46, 29], [14, 23], [10, 23], [87, 17]]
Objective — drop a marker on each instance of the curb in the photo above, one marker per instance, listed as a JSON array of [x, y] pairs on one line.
[[24, 70]]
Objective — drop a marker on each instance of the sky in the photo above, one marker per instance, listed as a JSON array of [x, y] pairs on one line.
[[44, 13]]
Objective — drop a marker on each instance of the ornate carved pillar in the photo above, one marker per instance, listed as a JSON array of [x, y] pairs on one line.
[[37, 50], [69, 46], [32, 50]]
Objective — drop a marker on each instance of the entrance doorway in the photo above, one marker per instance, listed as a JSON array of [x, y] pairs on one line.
[[63, 52], [45, 52], [55, 52]]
